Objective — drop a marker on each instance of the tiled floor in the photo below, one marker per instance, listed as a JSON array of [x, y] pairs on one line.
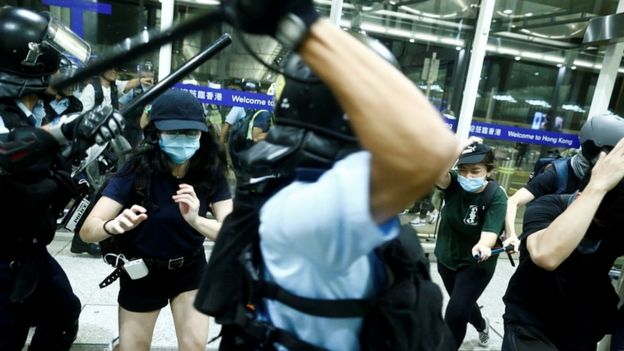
[[98, 321]]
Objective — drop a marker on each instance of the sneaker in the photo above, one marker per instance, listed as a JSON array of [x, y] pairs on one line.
[[484, 335], [417, 222]]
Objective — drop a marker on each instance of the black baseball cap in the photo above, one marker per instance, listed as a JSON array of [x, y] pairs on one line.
[[475, 153], [177, 109]]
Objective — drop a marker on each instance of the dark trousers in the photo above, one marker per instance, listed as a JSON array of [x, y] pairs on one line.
[[527, 338], [52, 309], [464, 287]]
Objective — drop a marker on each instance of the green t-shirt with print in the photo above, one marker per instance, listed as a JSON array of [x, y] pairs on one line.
[[460, 228]]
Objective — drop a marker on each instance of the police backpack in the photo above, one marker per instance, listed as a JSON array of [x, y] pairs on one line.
[[240, 139], [406, 315], [561, 170]]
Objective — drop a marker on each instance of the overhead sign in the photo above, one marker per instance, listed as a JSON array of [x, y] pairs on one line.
[[227, 97], [520, 135]]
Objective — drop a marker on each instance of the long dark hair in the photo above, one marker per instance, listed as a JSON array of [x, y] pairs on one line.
[[206, 170]]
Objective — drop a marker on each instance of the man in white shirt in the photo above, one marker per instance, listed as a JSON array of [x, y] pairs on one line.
[[110, 88]]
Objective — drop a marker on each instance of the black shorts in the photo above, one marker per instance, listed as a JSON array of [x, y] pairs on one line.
[[161, 285]]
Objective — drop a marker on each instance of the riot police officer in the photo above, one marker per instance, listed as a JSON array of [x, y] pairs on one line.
[[34, 186]]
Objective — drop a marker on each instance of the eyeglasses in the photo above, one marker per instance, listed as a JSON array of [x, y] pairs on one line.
[[187, 132]]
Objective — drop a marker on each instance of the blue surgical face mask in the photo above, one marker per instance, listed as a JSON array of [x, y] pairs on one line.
[[471, 185], [179, 147]]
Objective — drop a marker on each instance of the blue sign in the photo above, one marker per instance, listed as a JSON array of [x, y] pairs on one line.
[[520, 135], [206, 95], [78, 7]]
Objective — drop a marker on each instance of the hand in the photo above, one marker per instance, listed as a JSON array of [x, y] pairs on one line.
[[471, 140], [268, 17], [98, 125], [513, 241], [609, 170], [481, 252], [127, 220], [148, 81], [186, 198]]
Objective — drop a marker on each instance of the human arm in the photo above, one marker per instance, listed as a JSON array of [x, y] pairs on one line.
[[108, 212], [186, 198], [368, 87], [483, 248], [134, 83], [551, 246], [27, 148], [258, 134], [224, 133], [493, 223], [444, 180], [520, 198]]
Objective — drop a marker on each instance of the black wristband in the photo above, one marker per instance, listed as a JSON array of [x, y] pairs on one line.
[[106, 230]]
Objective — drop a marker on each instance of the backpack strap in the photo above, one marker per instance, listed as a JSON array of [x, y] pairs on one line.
[[251, 123], [266, 335], [334, 308], [486, 198], [344, 308], [98, 93], [484, 203], [561, 169]]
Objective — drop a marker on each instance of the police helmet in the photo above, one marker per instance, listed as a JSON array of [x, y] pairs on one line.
[[21, 49], [30, 50], [311, 105], [600, 133]]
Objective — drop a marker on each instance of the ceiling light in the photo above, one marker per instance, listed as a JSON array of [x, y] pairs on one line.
[[508, 12], [458, 48], [573, 67], [559, 65], [528, 14], [517, 58], [411, 40]]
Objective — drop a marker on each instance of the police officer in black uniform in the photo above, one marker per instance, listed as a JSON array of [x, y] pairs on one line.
[[34, 187]]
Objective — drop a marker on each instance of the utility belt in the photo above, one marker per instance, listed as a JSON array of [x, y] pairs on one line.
[[137, 268], [172, 263]]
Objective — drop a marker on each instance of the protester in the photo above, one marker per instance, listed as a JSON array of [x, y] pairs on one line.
[[181, 173], [465, 233], [561, 296], [566, 177]]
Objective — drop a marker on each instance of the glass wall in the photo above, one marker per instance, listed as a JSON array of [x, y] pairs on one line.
[[537, 74]]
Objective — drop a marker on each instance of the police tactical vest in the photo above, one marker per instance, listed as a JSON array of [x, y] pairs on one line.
[[30, 202]]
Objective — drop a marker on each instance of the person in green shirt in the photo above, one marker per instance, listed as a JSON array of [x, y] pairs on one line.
[[464, 235]]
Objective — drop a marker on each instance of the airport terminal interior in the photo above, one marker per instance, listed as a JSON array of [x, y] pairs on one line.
[[541, 71]]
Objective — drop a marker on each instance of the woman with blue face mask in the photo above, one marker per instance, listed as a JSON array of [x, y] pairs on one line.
[[178, 173], [464, 234]]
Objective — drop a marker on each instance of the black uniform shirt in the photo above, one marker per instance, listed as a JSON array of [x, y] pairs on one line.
[[576, 303]]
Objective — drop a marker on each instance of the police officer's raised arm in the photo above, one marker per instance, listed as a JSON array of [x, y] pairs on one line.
[[410, 145]]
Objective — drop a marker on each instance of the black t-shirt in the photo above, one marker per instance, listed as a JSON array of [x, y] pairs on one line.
[[576, 303], [547, 182], [165, 233]]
